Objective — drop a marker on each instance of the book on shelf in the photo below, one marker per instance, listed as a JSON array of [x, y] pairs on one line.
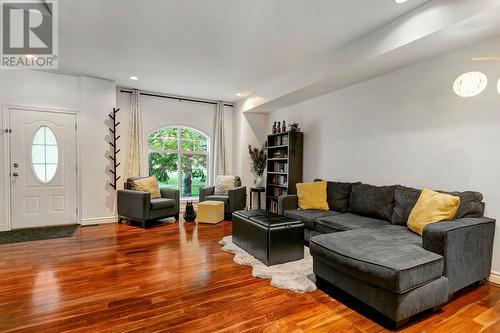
[[278, 180], [279, 140], [274, 206], [280, 154], [279, 167], [278, 191]]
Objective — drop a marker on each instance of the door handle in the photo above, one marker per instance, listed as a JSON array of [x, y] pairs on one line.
[[15, 174], [16, 165]]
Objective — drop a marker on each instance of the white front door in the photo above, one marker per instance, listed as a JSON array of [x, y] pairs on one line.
[[43, 168]]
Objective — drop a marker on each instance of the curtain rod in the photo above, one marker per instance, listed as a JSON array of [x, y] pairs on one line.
[[178, 98]]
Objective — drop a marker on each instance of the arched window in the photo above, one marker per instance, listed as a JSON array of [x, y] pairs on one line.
[[178, 157]]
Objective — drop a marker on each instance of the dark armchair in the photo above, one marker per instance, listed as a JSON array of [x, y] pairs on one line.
[[138, 206], [236, 199]]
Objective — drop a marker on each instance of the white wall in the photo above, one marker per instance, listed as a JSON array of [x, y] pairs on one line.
[[98, 97], [160, 112], [249, 129], [92, 98], [39, 89], [409, 128]]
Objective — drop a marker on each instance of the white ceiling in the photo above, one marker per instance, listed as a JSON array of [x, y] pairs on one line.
[[210, 49]]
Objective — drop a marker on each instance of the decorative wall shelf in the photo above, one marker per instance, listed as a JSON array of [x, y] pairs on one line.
[[114, 148]]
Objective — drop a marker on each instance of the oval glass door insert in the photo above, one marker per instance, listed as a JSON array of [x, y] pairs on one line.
[[44, 154]]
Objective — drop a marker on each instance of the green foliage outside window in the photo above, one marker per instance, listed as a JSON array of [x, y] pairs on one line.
[[164, 159]]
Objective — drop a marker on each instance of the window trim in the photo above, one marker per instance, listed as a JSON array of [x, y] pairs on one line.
[[180, 152]]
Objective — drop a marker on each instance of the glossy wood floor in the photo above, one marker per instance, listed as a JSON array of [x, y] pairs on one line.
[[175, 278]]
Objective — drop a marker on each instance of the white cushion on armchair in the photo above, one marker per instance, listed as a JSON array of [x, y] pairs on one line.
[[223, 184]]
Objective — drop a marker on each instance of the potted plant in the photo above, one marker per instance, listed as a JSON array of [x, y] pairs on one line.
[[258, 160], [294, 130]]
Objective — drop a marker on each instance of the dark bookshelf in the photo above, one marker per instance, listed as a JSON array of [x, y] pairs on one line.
[[284, 166]]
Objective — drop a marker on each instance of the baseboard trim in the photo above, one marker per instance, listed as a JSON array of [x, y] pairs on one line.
[[494, 278], [99, 220]]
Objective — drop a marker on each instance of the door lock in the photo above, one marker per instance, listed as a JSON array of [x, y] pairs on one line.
[[15, 174], [16, 165]]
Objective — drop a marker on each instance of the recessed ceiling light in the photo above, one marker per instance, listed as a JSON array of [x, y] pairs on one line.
[[135, 78], [399, 1], [239, 94]]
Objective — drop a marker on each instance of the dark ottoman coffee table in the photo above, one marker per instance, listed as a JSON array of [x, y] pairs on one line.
[[271, 238]]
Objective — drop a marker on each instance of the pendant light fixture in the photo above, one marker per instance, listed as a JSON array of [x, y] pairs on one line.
[[470, 84]]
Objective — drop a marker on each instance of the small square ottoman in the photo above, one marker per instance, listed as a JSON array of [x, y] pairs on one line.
[[210, 212]]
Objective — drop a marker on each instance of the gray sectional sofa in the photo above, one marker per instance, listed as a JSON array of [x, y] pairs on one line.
[[363, 246]]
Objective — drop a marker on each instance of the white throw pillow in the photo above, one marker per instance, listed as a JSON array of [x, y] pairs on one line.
[[223, 184]]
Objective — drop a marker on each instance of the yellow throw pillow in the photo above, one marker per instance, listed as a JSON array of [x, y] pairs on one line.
[[149, 184], [312, 195], [432, 207]]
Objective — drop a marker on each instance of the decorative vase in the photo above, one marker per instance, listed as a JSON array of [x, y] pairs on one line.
[[259, 181]]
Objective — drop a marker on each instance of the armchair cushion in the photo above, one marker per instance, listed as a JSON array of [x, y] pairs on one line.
[[223, 198], [160, 203]]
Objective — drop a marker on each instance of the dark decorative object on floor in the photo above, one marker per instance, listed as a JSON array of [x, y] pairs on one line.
[[26, 235], [114, 147], [189, 213]]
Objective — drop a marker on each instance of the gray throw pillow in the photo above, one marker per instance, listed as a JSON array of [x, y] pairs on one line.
[[372, 201]]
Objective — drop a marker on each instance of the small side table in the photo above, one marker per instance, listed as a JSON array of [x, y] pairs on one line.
[[257, 190]]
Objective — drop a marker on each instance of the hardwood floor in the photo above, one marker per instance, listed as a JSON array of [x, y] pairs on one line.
[[175, 278]]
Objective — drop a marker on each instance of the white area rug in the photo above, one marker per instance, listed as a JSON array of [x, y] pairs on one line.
[[296, 276]]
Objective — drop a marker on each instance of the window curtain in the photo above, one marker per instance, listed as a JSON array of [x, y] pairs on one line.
[[219, 147], [134, 138]]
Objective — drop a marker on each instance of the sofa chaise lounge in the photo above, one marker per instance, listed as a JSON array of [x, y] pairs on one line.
[[363, 246]]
